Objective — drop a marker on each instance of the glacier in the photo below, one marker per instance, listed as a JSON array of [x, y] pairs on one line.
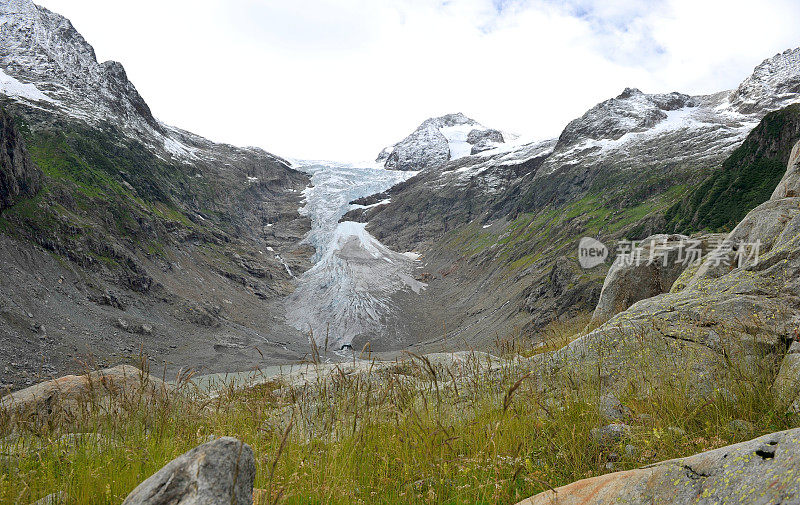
[[346, 293]]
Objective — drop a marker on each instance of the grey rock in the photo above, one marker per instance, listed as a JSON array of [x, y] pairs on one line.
[[761, 471], [215, 473], [644, 272], [790, 184], [19, 176], [484, 140], [610, 434], [611, 408]]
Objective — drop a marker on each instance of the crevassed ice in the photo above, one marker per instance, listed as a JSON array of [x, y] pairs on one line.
[[346, 293]]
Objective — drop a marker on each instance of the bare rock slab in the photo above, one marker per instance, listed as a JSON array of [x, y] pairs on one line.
[[220, 472], [765, 470]]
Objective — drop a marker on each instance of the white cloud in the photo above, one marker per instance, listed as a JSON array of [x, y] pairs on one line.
[[343, 78]]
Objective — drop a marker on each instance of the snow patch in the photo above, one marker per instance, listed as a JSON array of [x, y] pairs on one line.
[[9, 86]]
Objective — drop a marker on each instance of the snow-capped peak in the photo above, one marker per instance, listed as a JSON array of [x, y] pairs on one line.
[[439, 140], [629, 112], [775, 81]]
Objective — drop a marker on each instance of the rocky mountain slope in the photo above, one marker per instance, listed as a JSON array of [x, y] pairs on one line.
[[499, 230], [142, 236]]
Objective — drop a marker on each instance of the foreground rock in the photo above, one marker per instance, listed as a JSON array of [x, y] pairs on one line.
[[216, 473], [72, 395], [761, 471], [641, 273]]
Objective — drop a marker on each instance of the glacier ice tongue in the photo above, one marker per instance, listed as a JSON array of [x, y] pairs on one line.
[[347, 291]]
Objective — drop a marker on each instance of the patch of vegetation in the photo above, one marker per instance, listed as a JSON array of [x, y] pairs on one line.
[[418, 435], [747, 178]]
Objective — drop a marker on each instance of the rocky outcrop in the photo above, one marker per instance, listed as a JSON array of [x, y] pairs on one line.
[[73, 395], [216, 473], [649, 269], [19, 177], [763, 470], [790, 184], [484, 140]]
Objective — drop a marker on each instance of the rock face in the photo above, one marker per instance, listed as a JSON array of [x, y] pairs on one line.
[[439, 140], [648, 270], [760, 471], [790, 184], [19, 177], [484, 140], [216, 473], [71, 395]]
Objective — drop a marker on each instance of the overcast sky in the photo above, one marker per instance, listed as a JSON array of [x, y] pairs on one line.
[[340, 79]]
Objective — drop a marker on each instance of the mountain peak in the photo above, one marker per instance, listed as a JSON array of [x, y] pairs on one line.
[[631, 111], [773, 83], [438, 140], [43, 49], [629, 92]]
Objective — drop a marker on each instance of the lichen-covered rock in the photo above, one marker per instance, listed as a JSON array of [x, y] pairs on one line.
[[652, 268], [220, 472], [762, 471]]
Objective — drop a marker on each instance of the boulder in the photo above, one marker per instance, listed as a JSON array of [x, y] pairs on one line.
[[761, 471], [790, 184], [650, 269], [643, 272], [108, 389], [216, 473]]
